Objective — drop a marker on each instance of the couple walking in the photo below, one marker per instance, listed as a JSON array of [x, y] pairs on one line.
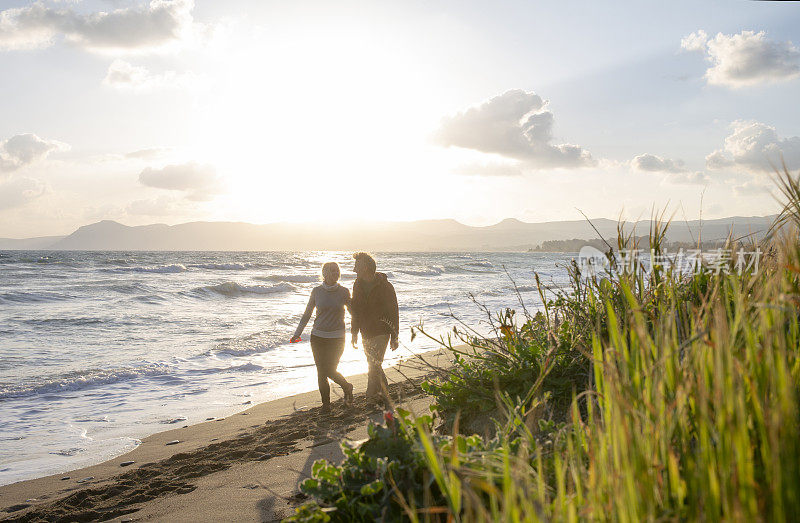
[[373, 313]]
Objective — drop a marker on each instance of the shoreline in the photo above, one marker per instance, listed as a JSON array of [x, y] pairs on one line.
[[125, 430], [261, 434]]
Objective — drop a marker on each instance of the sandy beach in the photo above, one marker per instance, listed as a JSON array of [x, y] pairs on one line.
[[245, 467]]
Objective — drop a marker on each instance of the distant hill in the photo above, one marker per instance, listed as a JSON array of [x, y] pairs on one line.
[[426, 235], [28, 244]]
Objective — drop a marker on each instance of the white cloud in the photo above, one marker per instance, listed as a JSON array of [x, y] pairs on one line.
[[752, 146], [745, 59], [717, 160], [19, 191], [515, 125], [695, 41], [24, 149], [124, 75], [138, 28], [653, 163], [676, 170], [199, 182]]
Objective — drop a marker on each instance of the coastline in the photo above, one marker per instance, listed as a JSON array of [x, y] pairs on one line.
[[103, 349], [273, 443]]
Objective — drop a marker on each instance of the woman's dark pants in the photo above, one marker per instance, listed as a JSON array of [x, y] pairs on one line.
[[327, 352]]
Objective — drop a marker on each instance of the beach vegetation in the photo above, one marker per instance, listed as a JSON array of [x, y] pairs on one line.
[[648, 393]]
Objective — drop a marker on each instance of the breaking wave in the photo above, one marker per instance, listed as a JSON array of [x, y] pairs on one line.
[[429, 271], [258, 342], [222, 266], [160, 269], [292, 278], [81, 380], [232, 289], [33, 297]]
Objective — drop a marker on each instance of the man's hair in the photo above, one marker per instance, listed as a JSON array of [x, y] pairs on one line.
[[331, 269], [366, 259]]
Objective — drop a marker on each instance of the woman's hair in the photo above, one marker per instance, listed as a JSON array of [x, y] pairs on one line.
[[366, 259], [330, 271]]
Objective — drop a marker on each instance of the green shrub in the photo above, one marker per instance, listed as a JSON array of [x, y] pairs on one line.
[[679, 399], [388, 475], [521, 358]]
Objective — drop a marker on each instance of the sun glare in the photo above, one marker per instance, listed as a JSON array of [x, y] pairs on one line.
[[298, 125]]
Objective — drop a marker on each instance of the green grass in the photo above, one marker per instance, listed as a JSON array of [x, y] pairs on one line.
[[649, 396]]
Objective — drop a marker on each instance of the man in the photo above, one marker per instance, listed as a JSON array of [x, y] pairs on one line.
[[375, 315]]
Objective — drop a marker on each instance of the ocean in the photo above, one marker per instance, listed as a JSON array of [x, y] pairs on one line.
[[99, 349]]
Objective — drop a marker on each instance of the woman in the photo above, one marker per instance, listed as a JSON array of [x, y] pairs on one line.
[[327, 335]]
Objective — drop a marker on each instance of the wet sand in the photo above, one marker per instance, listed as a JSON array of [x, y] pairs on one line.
[[245, 467]]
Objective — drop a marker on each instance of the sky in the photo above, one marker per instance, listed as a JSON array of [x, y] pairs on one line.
[[168, 111]]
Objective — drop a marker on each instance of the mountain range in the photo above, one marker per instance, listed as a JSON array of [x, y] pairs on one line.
[[425, 235]]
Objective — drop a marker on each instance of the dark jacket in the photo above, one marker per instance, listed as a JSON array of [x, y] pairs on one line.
[[375, 312]]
